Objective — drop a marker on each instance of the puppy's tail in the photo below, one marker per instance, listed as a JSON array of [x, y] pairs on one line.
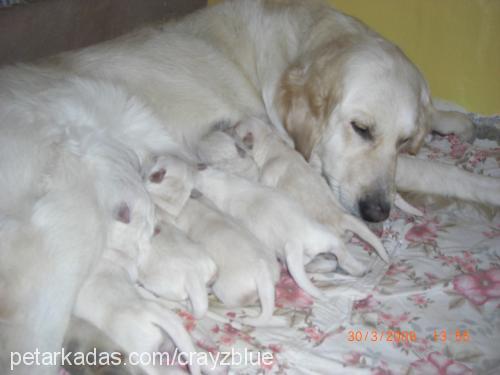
[[266, 292], [198, 296], [356, 226], [295, 264]]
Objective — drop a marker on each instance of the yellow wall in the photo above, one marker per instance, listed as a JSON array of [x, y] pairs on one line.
[[455, 43]]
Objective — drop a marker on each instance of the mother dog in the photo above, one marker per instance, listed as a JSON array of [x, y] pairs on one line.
[[346, 98]]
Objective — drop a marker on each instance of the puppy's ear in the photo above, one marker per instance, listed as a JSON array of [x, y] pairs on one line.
[[122, 213], [248, 140], [304, 103], [157, 176]]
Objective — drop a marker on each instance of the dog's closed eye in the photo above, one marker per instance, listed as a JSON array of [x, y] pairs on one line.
[[362, 131]]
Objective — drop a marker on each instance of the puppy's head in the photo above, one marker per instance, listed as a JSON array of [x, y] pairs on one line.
[[350, 106], [170, 182], [131, 230], [223, 150]]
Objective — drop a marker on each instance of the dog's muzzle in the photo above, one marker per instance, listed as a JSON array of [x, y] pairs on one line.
[[374, 207]]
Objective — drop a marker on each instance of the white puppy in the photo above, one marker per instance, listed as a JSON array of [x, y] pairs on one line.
[[132, 321], [178, 269], [278, 221], [285, 169], [246, 270], [220, 150]]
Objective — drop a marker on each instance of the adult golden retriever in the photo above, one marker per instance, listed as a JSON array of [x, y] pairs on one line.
[[349, 100]]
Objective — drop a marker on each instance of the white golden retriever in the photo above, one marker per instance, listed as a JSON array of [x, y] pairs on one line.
[[348, 99]]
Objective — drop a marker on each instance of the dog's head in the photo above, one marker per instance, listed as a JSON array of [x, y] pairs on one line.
[[350, 107], [223, 150]]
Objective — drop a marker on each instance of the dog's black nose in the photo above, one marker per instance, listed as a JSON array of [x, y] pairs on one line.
[[374, 208]]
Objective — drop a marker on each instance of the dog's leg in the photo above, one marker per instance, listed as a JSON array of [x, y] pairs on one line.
[[431, 177], [266, 292], [358, 227], [84, 337], [403, 205], [198, 296], [446, 122], [295, 263]]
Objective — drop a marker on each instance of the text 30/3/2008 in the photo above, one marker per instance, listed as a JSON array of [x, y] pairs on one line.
[[381, 336]]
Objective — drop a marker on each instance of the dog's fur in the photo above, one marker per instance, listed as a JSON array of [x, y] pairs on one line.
[[321, 76], [295, 241], [247, 272]]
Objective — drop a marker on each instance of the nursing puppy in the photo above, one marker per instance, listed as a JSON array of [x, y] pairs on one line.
[[247, 272], [133, 322], [278, 222], [110, 300], [178, 269], [285, 169]]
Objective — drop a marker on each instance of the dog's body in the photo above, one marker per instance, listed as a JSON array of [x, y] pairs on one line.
[[247, 272], [67, 165], [285, 169], [178, 269], [304, 64], [296, 240]]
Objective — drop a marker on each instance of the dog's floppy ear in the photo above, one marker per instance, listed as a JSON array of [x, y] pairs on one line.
[[170, 193], [423, 126], [304, 102]]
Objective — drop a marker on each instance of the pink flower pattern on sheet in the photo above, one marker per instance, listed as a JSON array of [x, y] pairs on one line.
[[438, 364], [479, 287], [288, 294]]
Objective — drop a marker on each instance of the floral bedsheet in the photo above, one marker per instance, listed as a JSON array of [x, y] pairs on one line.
[[434, 310]]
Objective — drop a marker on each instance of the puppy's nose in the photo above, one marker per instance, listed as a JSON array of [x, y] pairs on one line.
[[374, 208]]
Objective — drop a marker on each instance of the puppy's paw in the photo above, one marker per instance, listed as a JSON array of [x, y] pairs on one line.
[[322, 263], [353, 266], [84, 337]]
